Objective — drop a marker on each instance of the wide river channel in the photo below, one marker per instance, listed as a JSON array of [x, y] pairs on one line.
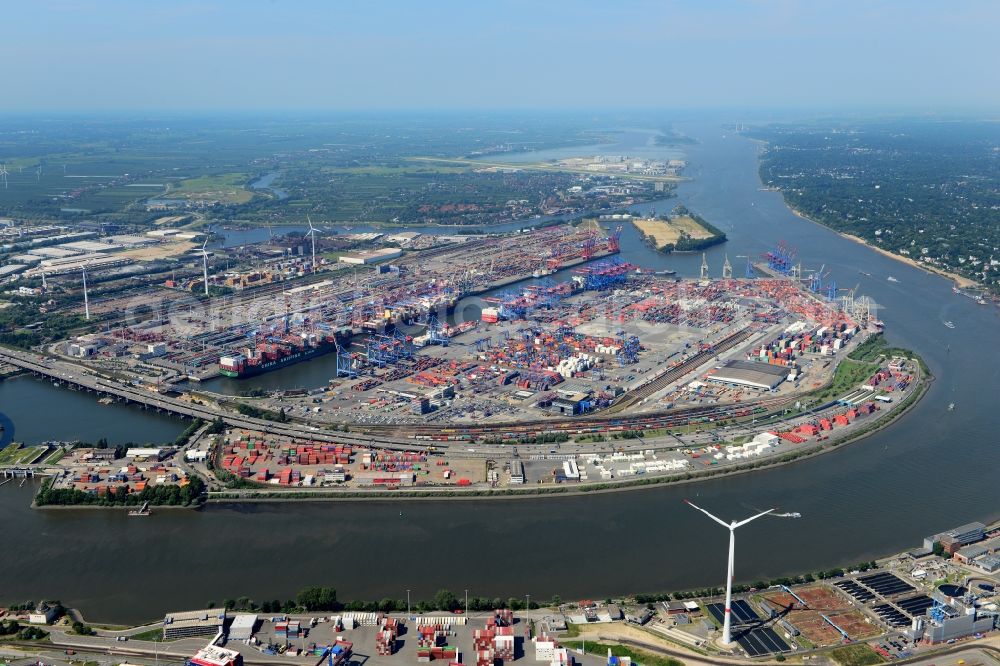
[[930, 470]]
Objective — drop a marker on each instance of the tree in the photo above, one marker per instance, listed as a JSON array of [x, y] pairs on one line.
[[318, 598], [82, 629], [445, 600]]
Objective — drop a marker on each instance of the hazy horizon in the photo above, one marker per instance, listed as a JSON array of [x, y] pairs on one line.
[[264, 56]]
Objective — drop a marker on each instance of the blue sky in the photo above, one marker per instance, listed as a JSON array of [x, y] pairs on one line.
[[906, 55]]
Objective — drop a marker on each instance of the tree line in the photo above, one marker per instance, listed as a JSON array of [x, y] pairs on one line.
[[158, 495]]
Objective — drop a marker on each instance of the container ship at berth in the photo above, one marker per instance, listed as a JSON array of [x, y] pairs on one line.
[[278, 351]]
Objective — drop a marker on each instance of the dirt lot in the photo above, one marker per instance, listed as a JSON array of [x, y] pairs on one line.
[[856, 624], [665, 232], [821, 601], [159, 251]]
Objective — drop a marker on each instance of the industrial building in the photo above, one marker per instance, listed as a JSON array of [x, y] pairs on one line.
[[42, 614], [212, 655], [954, 539], [193, 623], [516, 472], [751, 374], [364, 257], [243, 627], [384, 478]]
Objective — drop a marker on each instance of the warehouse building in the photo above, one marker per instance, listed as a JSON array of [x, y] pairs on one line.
[[371, 256], [384, 478], [193, 623], [954, 539], [750, 374], [516, 472], [243, 627]]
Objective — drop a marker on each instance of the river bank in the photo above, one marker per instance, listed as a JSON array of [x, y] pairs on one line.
[[959, 280]]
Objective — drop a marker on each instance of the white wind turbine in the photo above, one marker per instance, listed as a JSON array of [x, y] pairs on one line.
[[204, 263], [727, 637], [312, 234], [3, 172], [86, 299]]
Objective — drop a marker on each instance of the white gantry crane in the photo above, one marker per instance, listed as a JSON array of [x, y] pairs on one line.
[[727, 637]]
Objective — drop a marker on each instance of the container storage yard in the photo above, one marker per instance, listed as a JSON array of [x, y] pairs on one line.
[[452, 351]]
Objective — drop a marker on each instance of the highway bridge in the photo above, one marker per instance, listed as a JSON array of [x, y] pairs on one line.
[[442, 437], [73, 376]]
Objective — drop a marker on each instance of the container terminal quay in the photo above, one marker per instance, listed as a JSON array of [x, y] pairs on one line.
[[511, 362]]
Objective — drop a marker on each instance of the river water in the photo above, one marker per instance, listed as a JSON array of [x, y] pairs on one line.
[[930, 470]]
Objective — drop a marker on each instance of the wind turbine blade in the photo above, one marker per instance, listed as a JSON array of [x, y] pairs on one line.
[[744, 522], [718, 520]]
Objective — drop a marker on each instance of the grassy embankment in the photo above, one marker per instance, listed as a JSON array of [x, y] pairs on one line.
[[859, 654]]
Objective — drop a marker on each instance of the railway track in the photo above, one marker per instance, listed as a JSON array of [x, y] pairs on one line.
[[604, 423], [672, 375]]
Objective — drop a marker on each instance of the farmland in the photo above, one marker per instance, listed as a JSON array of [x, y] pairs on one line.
[[341, 169], [226, 188]]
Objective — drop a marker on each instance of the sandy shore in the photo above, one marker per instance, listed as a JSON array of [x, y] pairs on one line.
[[959, 280]]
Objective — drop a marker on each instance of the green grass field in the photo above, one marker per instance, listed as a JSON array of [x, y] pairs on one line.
[[151, 635], [848, 376], [55, 457], [638, 656], [224, 187], [859, 654], [14, 454]]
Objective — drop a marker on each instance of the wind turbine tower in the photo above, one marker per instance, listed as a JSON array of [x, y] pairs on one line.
[[204, 264], [3, 172], [727, 635], [86, 299], [312, 234]]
